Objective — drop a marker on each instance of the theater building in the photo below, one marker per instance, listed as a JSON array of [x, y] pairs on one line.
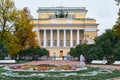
[[60, 28]]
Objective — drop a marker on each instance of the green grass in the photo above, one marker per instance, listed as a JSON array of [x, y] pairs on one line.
[[115, 73]]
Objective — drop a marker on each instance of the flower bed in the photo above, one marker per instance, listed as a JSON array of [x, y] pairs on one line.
[[42, 67]]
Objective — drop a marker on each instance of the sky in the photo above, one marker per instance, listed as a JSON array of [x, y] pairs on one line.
[[104, 11]]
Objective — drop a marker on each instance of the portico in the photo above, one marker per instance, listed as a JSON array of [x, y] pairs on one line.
[[60, 37]]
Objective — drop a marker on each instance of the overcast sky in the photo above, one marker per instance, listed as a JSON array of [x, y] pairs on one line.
[[104, 11]]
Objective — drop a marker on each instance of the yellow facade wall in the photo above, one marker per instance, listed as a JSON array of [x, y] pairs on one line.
[[64, 21], [43, 15], [90, 35], [56, 51], [80, 15]]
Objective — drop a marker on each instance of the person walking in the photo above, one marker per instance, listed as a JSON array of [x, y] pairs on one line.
[[82, 60]]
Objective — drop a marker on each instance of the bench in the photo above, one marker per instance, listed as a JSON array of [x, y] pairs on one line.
[[7, 61], [98, 62], [116, 63]]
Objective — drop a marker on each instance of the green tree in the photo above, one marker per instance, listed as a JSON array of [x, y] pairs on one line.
[[35, 51], [107, 42], [116, 27], [80, 49], [117, 50], [95, 52], [3, 51]]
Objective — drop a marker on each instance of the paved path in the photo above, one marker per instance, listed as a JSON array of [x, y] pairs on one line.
[[108, 66], [54, 62]]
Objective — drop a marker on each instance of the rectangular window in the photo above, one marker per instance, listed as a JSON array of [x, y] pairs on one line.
[[42, 43], [68, 43], [80, 42], [48, 42], [61, 42], [55, 42], [54, 33], [74, 42]]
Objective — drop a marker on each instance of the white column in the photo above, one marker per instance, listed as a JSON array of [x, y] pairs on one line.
[[44, 38], [38, 36], [78, 36], [71, 38], [64, 38], [51, 38], [58, 38]]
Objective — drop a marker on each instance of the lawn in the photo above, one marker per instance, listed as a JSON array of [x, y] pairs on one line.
[[91, 73]]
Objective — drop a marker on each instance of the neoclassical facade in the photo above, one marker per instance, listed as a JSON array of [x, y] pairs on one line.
[[60, 28]]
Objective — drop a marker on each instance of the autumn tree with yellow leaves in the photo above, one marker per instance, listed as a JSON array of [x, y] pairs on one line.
[[15, 28], [23, 29], [8, 16]]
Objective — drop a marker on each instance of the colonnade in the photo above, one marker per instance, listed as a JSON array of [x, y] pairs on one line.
[[58, 37]]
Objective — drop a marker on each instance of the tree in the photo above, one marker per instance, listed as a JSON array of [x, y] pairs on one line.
[[35, 51], [7, 17], [117, 50], [95, 52], [15, 27], [80, 49], [3, 51], [23, 29], [116, 27], [12, 44], [107, 42]]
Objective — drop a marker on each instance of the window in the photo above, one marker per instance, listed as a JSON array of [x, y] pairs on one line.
[[55, 43], [74, 42], [80, 42], [61, 42], [68, 43], [54, 33], [48, 42], [42, 43]]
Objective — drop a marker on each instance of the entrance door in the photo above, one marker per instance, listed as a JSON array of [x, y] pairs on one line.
[[61, 53]]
